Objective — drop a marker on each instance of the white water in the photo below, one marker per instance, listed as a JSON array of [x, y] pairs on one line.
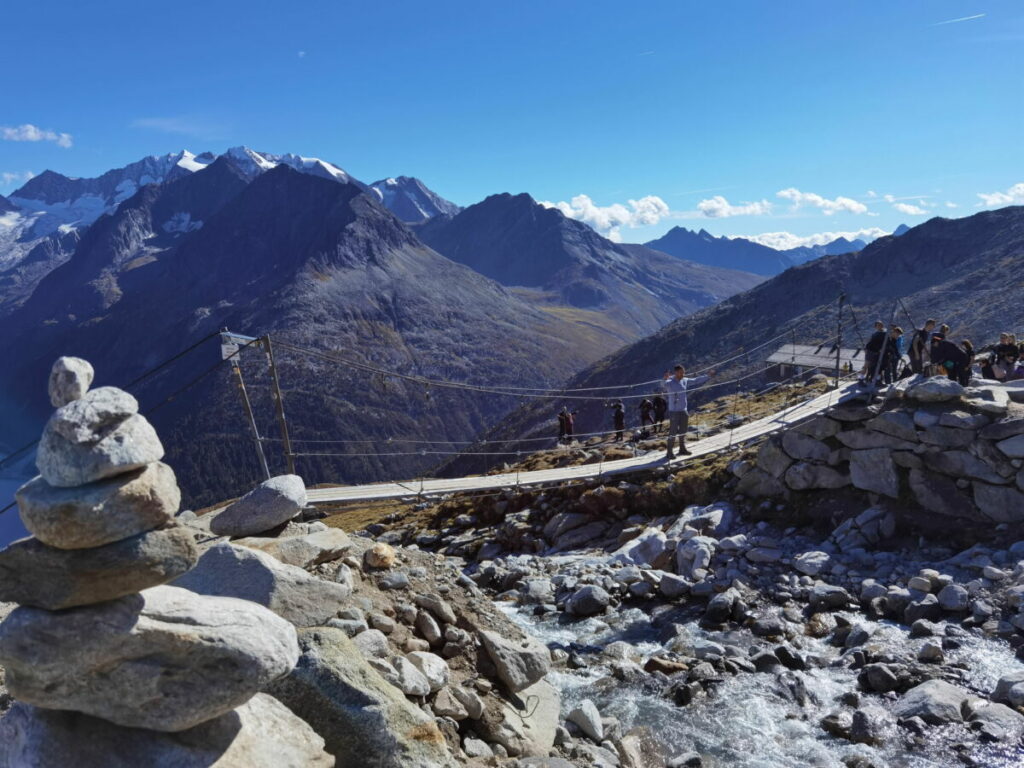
[[749, 722]]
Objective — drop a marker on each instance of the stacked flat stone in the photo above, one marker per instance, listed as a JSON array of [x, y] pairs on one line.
[[98, 644]]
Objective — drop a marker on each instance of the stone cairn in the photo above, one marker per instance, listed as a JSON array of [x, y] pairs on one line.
[[110, 667]]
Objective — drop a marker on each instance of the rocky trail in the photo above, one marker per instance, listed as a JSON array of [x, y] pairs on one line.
[[804, 602]]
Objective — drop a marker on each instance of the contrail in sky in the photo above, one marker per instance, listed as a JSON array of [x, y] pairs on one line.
[[954, 21]]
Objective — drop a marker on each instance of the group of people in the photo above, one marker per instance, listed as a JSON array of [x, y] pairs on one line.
[[888, 356], [670, 400]]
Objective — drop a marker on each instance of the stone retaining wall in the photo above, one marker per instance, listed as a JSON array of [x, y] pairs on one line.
[[930, 446]]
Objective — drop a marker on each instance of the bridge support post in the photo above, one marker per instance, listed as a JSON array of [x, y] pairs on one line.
[[279, 405], [240, 382]]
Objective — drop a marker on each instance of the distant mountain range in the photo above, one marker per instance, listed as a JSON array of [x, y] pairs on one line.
[[131, 267], [746, 255]]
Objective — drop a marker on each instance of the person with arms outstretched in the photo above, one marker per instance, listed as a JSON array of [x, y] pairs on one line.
[[675, 385]]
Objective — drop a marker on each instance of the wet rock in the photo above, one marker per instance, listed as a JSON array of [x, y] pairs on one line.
[[925, 608], [826, 597], [163, 659], [720, 607], [588, 719], [70, 379], [363, 719], [931, 653], [867, 725], [997, 722], [266, 506], [1010, 689], [305, 550], [837, 724], [878, 677], [588, 601], [935, 701], [34, 574], [262, 733], [519, 663], [99, 513], [228, 570], [130, 444]]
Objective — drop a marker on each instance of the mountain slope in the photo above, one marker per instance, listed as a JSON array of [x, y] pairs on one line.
[[411, 200], [965, 272], [627, 290], [320, 265], [6, 206]]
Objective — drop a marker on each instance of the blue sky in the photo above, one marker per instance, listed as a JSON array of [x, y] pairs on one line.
[[862, 114]]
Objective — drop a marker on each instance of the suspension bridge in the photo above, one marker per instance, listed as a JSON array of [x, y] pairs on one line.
[[727, 433]]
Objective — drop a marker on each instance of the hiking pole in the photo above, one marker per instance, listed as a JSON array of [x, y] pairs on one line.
[[839, 335]]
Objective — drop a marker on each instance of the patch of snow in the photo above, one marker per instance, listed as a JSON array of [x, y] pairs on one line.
[[189, 162]]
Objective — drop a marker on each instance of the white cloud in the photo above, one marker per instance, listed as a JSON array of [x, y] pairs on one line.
[[718, 207], [29, 132], [302, 54], [910, 210], [15, 177], [783, 241], [871, 194], [828, 207], [609, 219], [1013, 196], [950, 204]]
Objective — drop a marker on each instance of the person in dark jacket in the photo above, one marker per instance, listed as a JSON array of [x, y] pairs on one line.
[[619, 416], [646, 413], [948, 356], [660, 406], [892, 355], [920, 346], [563, 416], [873, 353], [964, 372]]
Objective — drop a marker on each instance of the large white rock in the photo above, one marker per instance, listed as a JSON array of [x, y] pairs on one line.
[[433, 667], [99, 513], [92, 438], [70, 379], [269, 504], [228, 570], [262, 733], [588, 719], [520, 663], [164, 659]]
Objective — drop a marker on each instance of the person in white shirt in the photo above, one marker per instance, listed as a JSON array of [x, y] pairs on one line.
[[675, 385]]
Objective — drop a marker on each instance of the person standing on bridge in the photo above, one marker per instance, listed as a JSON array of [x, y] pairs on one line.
[[660, 406], [675, 385], [619, 417]]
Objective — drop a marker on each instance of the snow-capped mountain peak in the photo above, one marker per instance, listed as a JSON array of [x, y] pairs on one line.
[[411, 200], [253, 163]]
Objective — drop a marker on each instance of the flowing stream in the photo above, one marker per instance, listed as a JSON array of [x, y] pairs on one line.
[[752, 721]]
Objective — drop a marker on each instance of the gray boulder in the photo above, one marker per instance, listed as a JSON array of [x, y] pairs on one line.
[[96, 413], [262, 733], [131, 444], [587, 601], [935, 701], [935, 389], [874, 470], [520, 663], [164, 659], [1010, 689], [588, 719], [304, 550], [804, 447], [812, 563], [34, 574], [363, 719], [1000, 503], [527, 723], [997, 722], [643, 550], [228, 570], [434, 668], [1012, 447], [803, 476], [269, 504], [70, 379], [102, 512]]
